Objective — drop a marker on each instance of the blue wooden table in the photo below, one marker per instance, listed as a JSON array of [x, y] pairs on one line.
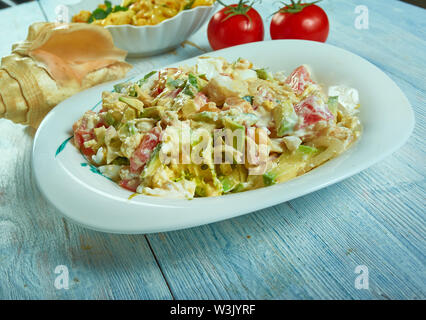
[[308, 248]]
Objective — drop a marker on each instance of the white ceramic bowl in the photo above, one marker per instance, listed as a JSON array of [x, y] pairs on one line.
[[96, 202], [140, 41]]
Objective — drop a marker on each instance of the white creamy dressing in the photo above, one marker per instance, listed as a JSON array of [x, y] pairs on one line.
[[348, 98], [182, 189], [264, 118], [99, 156], [292, 142], [111, 171], [244, 74]]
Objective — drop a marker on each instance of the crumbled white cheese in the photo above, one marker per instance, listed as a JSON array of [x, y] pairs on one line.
[[182, 189]]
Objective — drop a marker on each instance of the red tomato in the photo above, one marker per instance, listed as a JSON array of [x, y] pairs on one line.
[[80, 137], [312, 111], [300, 21], [235, 24], [130, 184], [143, 152], [299, 79]]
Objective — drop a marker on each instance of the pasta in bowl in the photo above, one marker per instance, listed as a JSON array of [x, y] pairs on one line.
[[145, 27], [216, 128]]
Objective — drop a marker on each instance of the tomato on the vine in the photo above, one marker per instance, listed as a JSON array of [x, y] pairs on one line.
[[235, 24], [300, 21]]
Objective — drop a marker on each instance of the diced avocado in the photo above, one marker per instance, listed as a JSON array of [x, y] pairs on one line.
[[231, 124], [248, 119], [121, 161], [200, 191], [201, 187], [239, 187], [109, 119], [206, 116], [333, 103], [120, 86], [129, 114], [262, 74], [133, 102], [193, 85], [176, 83], [269, 178], [193, 81], [225, 169], [307, 149], [285, 118], [132, 91], [228, 184], [206, 189], [153, 164], [127, 129], [189, 91], [285, 170], [152, 112], [289, 165]]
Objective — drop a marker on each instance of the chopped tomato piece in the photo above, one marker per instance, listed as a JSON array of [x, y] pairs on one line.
[[80, 137], [130, 184], [143, 152], [82, 134], [311, 110], [299, 79]]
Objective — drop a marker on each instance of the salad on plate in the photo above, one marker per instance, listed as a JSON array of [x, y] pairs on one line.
[[137, 12], [216, 128]]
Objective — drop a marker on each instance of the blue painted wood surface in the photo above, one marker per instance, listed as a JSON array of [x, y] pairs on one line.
[[306, 248]]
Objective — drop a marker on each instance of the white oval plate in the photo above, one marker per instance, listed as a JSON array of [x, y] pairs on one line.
[[93, 201]]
